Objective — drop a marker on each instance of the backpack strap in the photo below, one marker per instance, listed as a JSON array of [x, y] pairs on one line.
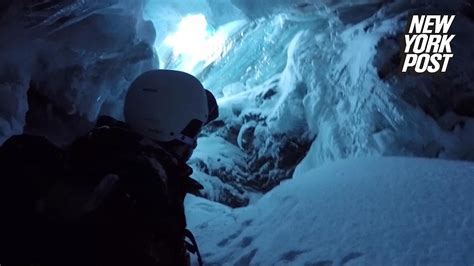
[[193, 246]]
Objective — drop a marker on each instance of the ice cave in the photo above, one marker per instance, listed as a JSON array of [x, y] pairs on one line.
[[324, 152]]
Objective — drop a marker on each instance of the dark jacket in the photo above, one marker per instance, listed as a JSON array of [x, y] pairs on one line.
[[114, 198]]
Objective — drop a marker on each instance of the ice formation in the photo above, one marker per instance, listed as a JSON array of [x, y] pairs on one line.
[[308, 89], [74, 59], [323, 76]]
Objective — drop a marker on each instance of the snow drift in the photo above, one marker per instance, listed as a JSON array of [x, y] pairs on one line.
[[373, 211]]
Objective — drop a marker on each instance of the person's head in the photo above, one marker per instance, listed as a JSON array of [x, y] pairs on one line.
[[170, 107]]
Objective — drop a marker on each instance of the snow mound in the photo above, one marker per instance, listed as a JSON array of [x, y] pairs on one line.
[[372, 211]]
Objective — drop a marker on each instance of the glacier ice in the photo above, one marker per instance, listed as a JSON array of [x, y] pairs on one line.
[[73, 59]]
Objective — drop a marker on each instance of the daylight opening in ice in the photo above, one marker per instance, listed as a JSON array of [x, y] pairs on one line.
[[194, 43]]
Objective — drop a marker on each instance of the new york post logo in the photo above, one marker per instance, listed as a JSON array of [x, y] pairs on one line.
[[428, 44]]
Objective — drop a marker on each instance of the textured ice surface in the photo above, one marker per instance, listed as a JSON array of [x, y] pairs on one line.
[[319, 74], [74, 60], [371, 211]]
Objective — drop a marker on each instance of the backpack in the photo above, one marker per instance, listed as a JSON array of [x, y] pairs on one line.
[[112, 197]]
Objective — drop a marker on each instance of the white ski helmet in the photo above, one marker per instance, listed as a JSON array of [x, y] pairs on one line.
[[167, 105]]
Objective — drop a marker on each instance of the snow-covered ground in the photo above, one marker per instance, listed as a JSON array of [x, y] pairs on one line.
[[372, 211]]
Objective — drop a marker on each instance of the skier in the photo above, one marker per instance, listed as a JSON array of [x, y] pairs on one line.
[[114, 196]]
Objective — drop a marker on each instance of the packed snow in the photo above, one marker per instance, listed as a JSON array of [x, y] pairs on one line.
[[372, 211]]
